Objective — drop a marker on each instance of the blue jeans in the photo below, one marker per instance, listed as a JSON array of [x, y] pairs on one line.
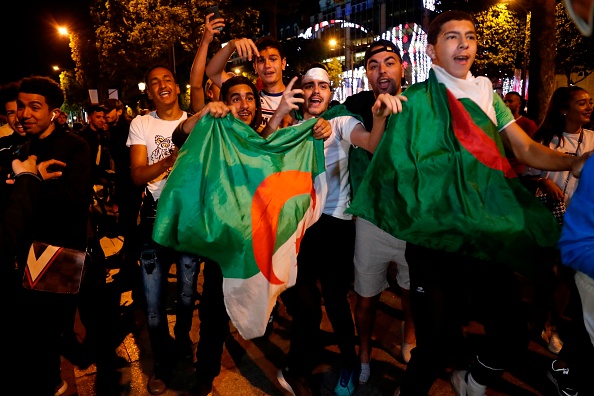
[[155, 261]]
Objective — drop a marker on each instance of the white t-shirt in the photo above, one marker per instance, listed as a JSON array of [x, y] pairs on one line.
[[336, 152], [568, 145], [154, 133], [269, 102]]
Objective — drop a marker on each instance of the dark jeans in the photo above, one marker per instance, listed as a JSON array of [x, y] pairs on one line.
[[325, 256], [442, 284], [155, 261], [214, 324]]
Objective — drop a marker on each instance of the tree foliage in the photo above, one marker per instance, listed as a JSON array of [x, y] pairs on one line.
[[335, 73], [501, 38], [575, 53], [131, 35]]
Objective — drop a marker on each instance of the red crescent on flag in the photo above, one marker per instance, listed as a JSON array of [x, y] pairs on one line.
[[475, 140], [269, 199]]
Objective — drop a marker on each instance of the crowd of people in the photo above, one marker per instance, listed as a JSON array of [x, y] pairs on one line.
[[439, 181]]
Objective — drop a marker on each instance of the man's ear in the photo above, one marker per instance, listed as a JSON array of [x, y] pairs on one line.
[[284, 63], [55, 113], [430, 51]]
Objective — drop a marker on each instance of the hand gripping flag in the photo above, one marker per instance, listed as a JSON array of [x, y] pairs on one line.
[[244, 202], [439, 178]]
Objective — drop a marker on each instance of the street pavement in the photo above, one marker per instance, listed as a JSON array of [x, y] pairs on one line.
[[249, 367]]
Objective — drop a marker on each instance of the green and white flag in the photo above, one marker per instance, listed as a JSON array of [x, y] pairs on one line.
[[244, 202], [440, 179]]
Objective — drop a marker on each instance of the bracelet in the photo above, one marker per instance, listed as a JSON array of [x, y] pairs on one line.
[[30, 174]]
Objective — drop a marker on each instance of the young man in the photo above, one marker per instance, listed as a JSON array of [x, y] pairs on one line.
[[375, 249], [12, 142], [65, 224], [241, 99], [152, 155], [440, 171], [326, 251], [92, 133], [127, 196], [269, 62]]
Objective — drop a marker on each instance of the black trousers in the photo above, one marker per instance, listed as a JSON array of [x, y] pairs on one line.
[[325, 256], [442, 286], [214, 324]]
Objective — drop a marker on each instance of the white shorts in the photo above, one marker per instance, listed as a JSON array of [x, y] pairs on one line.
[[374, 250], [585, 286]]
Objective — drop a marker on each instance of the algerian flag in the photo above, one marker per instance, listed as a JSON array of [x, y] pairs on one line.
[[439, 178], [244, 202]]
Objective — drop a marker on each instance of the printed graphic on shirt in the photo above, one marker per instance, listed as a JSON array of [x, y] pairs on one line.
[[164, 147]]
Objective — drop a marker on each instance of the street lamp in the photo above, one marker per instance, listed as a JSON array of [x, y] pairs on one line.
[[141, 87]]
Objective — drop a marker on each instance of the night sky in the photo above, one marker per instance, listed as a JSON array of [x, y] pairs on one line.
[[33, 46]]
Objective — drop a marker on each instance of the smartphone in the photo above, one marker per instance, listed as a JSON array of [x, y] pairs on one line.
[[217, 14]]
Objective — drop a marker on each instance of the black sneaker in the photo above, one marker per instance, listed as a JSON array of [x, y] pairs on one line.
[[563, 381], [157, 383], [292, 383]]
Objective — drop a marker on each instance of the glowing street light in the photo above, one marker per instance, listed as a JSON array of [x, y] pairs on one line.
[[332, 43], [63, 31], [141, 87]]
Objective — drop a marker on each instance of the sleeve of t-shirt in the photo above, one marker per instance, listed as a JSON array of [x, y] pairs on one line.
[[503, 113], [135, 136], [344, 127]]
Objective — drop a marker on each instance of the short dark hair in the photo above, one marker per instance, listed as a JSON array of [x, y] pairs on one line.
[[8, 93], [269, 42], [158, 66], [44, 86], [111, 104], [386, 45], [239, 80], [97, 108], [442, 19], [514, 93]]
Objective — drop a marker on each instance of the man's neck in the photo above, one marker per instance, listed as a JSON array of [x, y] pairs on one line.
[[48, 131], [172, 113], [278, 87]]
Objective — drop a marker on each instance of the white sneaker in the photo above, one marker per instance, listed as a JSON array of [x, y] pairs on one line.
[[405, 348], [465, 385], [364, 373]]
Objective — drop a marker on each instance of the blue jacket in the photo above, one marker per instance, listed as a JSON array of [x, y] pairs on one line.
[[577, 236]]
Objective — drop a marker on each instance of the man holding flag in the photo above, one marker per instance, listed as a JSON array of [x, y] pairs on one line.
[[440, 180], [326, 250]]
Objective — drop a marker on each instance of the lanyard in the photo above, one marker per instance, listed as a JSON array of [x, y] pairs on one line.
[[574, 154]]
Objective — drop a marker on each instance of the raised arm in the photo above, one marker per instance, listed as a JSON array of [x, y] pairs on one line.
[[215, 109], [215, 70], [290, 101], [384, 106], [538, 156], [198, 66]]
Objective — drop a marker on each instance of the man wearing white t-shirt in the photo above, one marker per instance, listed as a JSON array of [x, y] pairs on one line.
[[326, 250], [152, 155]]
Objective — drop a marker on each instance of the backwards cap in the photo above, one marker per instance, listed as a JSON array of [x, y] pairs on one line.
[[381, 46]]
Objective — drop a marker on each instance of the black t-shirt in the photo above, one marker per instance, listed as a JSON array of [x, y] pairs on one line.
[[361, 103]]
